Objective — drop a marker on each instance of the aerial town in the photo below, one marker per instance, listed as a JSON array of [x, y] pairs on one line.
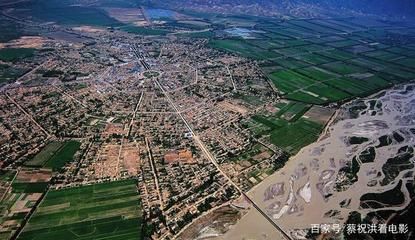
[[129, 121]]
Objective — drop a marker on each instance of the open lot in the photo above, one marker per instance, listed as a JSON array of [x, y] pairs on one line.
[[110, 210]]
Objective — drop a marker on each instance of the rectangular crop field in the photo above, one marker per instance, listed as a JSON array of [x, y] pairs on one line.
[[289, 80], [320, 62], [13, 54], [64, 155], [43, 156], [243, 48], [301, 133], [101, 211]]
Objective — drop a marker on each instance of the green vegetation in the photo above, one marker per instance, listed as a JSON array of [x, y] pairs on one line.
[[298, 87], [301, 133], [10, 73], [101, 211], [43, 156], [198, 34], [13, 54], [17, 202], [5, 205], [357, 140], [388, 198], [250, 153], [241, 47], [250, 99], [143, 30], [368, 155], [68, 13], [288, 80], [319, 70], [292, 111], [29, 187], [395, 165], [286, 128], [64, 155], [7, 175]]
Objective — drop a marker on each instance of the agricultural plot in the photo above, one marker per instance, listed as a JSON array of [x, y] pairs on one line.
[[312, 58], [405, 51], [288, 80], [344, 43], [352, 59], [302, 132], [305, 96], [14, 54], [253, 155], [326, 92], [245, 49], [298, 87], [64, 155], [337, 54], [343, 68], [383, 55], [359, 87], [120, 15], [317, 73], [396, 74], [292, 111], [101, 211], [32, 180], [20, 194], [289, 120], [406, 62], [55, 155], [313, 26], [291, 63], [43, 156]]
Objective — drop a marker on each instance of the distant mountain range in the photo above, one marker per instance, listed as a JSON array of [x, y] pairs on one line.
[[392, 9], [397, 9]]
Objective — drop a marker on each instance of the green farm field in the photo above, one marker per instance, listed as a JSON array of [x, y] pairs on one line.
[[43, 156], [100, 211], [13, 54], [61, 157], [302, 133], [243, 48], [321, 62], [287, 121]]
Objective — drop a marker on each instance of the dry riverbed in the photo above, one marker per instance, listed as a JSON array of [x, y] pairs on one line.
[[368, 149]]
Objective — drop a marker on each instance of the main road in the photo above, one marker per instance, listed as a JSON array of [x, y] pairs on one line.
[[209, 155], [214, 162]]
